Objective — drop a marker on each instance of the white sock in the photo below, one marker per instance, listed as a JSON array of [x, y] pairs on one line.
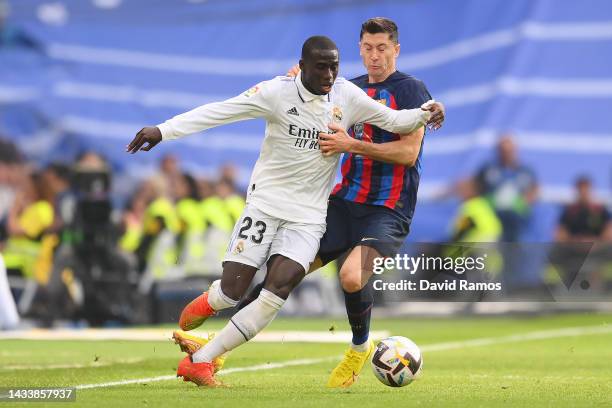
[[217, 299], [242, 327], [361, 348]]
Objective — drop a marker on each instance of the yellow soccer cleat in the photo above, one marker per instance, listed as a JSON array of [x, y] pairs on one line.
[[347, 371], [190, 343]]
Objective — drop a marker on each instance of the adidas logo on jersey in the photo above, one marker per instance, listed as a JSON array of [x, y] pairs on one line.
[[293, 111]]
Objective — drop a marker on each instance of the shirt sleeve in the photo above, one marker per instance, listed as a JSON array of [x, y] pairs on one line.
[[367, 110], [257, 102]]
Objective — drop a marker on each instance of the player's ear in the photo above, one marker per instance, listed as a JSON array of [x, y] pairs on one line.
[[301, 64], [397, 50]]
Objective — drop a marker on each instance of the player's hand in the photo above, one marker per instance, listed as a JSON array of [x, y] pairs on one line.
[[437, 114], [293, 71], [150, 136], [337, 141]]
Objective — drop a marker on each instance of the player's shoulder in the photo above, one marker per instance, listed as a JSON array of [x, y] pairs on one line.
[[270, 88], [407, 81], [360, 81], [343, 85], [341, 81], [409, 91], [278, 82], [283, 79]]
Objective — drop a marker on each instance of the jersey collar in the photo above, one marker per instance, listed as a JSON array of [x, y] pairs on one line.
[[304, 94]]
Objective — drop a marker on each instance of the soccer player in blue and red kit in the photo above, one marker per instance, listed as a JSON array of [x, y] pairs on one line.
[[370, 210]]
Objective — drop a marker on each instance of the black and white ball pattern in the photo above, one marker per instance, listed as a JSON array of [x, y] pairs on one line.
[[397, 361]]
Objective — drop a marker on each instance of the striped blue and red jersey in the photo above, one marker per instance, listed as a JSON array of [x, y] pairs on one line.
[[373, 182]]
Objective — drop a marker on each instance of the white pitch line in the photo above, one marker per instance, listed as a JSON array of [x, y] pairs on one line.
[[536, 335], [127, 382], [485, 341], [267, 366]]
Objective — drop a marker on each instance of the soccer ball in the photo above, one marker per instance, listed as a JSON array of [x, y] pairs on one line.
[[397, 361]]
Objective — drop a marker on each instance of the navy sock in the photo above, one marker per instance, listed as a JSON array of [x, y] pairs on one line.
[[359, 311]]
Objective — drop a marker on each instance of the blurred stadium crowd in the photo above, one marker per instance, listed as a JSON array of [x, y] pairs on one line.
[[71, 253], [59, 223]]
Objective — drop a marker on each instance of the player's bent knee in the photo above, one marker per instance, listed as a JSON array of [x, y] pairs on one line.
[[236, 279], [351, 286], [284, 274], [282, 286], [282, 290], [351, 281]]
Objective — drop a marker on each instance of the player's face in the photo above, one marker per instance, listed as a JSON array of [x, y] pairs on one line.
[[379, 54], [319, 71]]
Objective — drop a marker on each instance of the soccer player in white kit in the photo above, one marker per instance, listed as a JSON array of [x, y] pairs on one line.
[[284, 219]]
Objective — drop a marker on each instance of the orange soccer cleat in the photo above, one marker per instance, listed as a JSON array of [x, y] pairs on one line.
[[196, 312], [202, 374], [190, 343]]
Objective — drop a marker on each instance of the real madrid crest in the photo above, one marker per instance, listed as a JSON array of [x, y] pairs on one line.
[[239, 247], [337, 114]]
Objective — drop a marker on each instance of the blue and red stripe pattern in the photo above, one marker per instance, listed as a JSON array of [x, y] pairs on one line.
[[373, 182]]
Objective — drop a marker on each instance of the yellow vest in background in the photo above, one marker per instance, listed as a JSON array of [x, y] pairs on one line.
[[487, 227], [163, 254], [162, 208], [36, 218], [190, 217], [235, 205], [215, 212], [22, 252]]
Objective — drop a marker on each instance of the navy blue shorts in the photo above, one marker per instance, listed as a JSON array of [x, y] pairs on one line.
[[350, 224]]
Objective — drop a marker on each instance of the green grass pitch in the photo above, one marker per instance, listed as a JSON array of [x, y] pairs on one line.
[[553, 370]]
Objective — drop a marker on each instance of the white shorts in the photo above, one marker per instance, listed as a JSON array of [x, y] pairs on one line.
[[257, 236]]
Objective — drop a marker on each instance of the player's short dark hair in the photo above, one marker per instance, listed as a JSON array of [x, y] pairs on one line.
[[317, 42], [380, 25]]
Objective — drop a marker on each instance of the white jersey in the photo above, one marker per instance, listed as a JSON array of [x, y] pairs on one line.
[[292, 180]]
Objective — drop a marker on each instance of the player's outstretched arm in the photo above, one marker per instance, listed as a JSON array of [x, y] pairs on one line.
[[366, 110], [404, 151], [257, 102], [146, 139]]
